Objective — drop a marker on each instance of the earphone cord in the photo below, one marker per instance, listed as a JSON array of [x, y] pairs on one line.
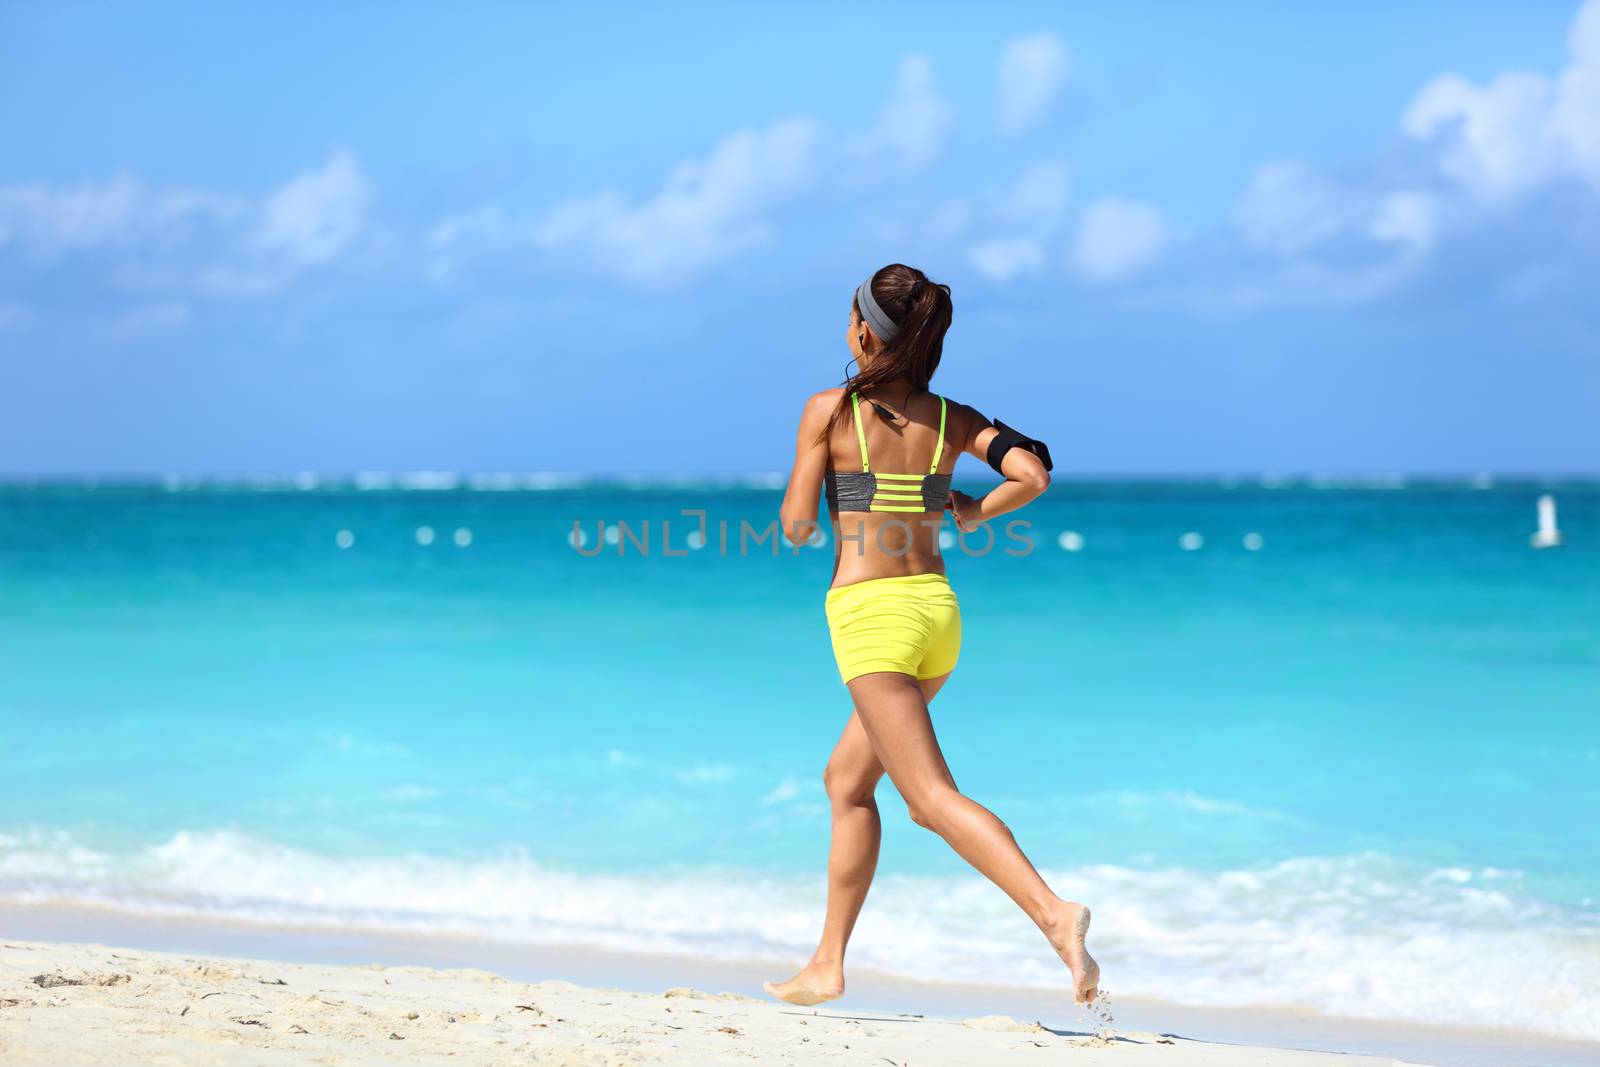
[[883, 412]]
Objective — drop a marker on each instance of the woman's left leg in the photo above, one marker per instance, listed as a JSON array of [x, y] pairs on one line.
[[851, 780]]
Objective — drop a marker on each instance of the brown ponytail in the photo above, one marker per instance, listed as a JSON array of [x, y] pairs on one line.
[[922, 309]]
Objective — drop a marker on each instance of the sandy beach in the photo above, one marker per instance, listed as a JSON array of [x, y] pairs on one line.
[[260, 994], [64, 1004]]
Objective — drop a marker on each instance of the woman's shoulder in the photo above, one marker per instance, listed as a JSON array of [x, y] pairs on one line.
[[819, 408], [822, 403], [963, 411], [964, 421]]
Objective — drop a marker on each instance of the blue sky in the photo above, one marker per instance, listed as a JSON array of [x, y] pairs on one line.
[[622, 238]]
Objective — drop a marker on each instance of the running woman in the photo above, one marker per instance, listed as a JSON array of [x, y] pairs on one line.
[[883, 447]]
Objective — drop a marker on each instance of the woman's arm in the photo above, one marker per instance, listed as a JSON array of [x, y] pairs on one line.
[[1025, 475], [798, 513]]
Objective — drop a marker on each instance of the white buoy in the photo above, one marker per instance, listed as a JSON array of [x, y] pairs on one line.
[[1191, 542], [463, 537], [1070, 541], [344, 539], [424, 535], [1547, 535], [1253, 542]]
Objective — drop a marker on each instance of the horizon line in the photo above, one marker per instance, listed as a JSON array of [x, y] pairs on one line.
[[489, 481]]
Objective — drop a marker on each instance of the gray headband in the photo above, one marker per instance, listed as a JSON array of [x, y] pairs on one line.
[[881, 324]]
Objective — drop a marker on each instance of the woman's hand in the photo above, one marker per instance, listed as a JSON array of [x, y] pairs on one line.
[[964, 509]]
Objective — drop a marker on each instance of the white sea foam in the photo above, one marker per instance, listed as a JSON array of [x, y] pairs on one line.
[[428, 480], [705, 773], [1166, 800], [788, 789], [494, 481], [1364, 935]]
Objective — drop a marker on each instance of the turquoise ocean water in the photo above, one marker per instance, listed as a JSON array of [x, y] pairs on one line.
[[1357, 768]]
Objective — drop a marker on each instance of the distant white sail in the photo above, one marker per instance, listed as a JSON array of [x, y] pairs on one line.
[[1547, 535]]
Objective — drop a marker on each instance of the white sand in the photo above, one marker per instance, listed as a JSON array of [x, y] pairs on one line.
[[65, 1004]]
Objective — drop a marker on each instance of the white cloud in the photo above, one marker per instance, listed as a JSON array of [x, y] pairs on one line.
[[1032, 70], [708, 210], [48, 221], [1020, 221], [1495, 139], [1290, 208], [187, 240], [1117, 239], [913, 123], [455, 239], [1003, 259], [1038, 195], [1032, 203], [1485, 149], [316, 215], [1408, 219], [1521, 130], [711, 210], [1311, 239], [1576, 118], [458, 229]]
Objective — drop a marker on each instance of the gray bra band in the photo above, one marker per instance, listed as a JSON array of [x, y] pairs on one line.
[[854, 490]]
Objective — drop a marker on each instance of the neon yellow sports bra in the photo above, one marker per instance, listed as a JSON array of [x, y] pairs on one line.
[[866, 490]]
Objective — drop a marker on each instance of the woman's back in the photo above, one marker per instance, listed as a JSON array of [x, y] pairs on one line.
[[889, 466]]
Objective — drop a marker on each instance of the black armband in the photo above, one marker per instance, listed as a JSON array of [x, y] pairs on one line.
[[1007, 439]]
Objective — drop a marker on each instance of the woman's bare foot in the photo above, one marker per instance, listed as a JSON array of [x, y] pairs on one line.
[[1066, 928], [813, 985]]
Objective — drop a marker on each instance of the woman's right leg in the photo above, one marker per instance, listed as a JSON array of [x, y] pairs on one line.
[[895, 717]]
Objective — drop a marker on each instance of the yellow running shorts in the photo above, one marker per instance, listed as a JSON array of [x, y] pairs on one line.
[[907, 623]]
